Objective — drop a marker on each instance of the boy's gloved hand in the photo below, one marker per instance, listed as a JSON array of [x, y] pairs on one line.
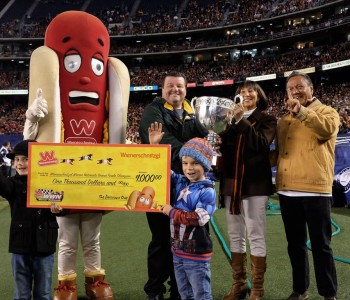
[[38, 109], [166, 209]]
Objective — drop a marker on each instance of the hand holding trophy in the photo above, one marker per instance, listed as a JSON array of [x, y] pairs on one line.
[[214, 114]]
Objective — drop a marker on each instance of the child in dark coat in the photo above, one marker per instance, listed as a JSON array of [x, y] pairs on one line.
[[33, 233]]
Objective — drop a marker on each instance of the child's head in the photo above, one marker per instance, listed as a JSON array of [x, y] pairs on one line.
[[198, 152], [20, 157]]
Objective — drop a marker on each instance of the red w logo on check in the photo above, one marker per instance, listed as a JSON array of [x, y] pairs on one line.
[[47, 158]]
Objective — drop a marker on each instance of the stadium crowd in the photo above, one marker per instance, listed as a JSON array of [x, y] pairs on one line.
[[247, 34], [14, 80], [237, 69], [336, 95], [162, 18], [240, 68], [12, 116], [195, 15]]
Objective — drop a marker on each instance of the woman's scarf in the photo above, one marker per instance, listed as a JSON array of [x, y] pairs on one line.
[[238, 170], [238, 173]]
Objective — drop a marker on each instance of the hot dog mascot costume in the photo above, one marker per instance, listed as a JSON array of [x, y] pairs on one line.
[[77, 94]]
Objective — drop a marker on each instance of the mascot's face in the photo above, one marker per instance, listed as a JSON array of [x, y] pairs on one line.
[[82, 43], [145, 199]]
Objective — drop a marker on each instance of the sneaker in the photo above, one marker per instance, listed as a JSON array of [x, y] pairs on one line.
[[297, 296], [155, 296]]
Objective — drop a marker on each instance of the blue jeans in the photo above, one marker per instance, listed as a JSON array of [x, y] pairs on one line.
[[193, 279], [31, 270]]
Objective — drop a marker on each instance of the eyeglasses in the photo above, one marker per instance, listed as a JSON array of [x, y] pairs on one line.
[[299, 88]]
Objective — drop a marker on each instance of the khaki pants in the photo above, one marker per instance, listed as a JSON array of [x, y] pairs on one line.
[[251, 222], [71, 227]]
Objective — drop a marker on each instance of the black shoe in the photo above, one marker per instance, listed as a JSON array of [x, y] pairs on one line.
[[155, 296], [174, 296], [297, 296]]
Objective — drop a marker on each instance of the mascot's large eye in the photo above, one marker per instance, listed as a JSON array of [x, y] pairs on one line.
[[97, 66], [72, 63], [142, 199], [147, 201]]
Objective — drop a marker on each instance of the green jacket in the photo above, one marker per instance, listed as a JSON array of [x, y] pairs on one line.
[[176, 131], [306, 143]]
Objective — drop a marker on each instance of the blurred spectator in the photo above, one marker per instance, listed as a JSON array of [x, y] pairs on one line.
[[12, 117]]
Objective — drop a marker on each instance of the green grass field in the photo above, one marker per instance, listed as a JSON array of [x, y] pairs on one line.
[[125, 237]]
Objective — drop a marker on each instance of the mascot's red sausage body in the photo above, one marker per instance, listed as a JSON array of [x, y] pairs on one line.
[[78, 94], [82, 57]]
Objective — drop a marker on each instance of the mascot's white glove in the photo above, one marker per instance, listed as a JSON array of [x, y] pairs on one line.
[[34, 114], [38, 109]]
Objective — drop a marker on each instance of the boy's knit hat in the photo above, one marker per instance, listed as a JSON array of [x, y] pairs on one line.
[[20, 149], [200, 150]]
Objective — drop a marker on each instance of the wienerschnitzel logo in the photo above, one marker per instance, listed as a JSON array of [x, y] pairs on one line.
[[47, 158]]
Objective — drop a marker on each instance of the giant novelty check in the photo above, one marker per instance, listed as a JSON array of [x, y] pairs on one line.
[[99, 176]]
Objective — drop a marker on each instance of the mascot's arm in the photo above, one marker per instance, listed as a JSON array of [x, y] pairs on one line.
[[119, 90], [30, 130], [43, 117]]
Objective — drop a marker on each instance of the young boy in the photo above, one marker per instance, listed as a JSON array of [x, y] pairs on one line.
[[33, 233], [195, 203]]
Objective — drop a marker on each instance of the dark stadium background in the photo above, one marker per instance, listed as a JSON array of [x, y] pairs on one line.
[[325, 24]]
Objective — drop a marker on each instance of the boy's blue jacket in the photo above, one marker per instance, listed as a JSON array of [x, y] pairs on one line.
[[194, 203]]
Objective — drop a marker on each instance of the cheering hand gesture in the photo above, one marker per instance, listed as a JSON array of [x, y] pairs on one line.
[[155, 133]]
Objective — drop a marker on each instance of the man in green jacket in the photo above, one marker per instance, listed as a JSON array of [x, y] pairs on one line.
[[306, 138], [179, 125]]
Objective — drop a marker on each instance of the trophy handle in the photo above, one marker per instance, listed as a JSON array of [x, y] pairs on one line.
[[193, 103], [238, 99]]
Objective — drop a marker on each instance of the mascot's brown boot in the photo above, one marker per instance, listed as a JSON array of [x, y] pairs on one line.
[[66, 288], [95, 286], [239, 288], [258, 271]]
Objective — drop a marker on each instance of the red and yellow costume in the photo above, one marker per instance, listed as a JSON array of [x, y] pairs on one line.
[[86, 100]]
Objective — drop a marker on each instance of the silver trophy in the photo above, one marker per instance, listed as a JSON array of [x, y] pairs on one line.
[[213, 114]]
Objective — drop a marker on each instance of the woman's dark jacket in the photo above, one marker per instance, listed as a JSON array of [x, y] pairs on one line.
[[176, 131], [33, 230], [257, 132]]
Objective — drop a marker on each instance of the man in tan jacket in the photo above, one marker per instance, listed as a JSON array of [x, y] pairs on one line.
[[306, 138]]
